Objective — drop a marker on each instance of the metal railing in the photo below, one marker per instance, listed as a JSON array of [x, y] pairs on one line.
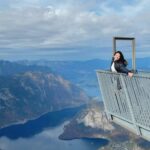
[[127, 100]]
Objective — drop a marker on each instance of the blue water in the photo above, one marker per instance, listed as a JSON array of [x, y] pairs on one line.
[[42, 134]]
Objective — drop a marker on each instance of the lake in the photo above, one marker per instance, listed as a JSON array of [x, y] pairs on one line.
[[42, 134]]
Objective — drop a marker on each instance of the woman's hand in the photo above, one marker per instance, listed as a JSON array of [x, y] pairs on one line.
[[130, 74]]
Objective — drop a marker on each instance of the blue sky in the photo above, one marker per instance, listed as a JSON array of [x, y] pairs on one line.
[[72, 30]]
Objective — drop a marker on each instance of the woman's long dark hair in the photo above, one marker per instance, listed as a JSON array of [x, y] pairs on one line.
[[121, 60]]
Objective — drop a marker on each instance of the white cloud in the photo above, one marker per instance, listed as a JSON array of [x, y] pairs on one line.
[[74, 24]]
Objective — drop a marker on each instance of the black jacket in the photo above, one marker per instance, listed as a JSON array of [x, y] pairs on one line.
[[120, 66]]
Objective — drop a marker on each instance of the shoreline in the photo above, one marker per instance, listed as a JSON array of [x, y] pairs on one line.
[[85, 137], [34, 118]]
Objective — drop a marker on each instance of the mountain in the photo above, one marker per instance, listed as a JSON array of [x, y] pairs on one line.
[[28, 95], [93, 123], [11, 68], [83, 73]]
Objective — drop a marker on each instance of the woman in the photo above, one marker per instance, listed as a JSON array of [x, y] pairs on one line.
[[119, 64]]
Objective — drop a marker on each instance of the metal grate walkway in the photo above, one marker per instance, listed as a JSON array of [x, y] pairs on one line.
[[127, 100]]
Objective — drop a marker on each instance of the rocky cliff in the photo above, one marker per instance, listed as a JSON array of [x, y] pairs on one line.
[[92, 123]]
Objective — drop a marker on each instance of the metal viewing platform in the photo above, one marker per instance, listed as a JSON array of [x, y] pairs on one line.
[[127, 100]]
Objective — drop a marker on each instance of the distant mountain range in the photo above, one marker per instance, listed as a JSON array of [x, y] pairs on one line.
[[83, 73], [11, 68], [141, 63]]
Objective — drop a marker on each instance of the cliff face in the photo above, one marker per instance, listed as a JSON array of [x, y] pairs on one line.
[[93, 118], [92, 123], [28, 95]]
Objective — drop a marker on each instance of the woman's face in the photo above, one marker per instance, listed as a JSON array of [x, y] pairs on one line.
[[116, 56]]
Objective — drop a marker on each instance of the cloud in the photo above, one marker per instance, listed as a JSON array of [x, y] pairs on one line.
[[69, 24]]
